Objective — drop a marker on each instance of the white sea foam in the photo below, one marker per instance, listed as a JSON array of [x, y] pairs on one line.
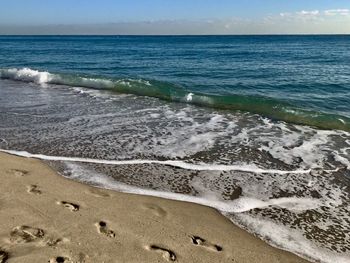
[[305, 145], [43, 77], [239, 205], [182, 134], [341, 120], [342, 160], [180, 164], [141, 81], [189, 97], [288, 239], [27, 75], [91, 82]]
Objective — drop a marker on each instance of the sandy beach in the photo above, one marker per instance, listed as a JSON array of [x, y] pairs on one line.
[[45, 217]]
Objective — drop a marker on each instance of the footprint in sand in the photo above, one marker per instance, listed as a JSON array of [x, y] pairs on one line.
[[17, 172], [33, 189], [166, 253], [71, 206], [3, 256], [60, 259], [25, 234], [103, 229], [198, 241], [158, 211]]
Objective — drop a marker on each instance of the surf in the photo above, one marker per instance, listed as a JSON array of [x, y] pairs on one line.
[[264, 106]]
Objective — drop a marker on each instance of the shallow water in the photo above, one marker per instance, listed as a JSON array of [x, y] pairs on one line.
[[247, 166]]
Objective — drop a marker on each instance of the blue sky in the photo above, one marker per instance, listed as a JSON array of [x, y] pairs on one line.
[[187, 16]]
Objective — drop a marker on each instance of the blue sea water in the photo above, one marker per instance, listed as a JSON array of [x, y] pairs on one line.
[[300, 79], [254, 126]]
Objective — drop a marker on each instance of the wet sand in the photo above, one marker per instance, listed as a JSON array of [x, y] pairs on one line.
[[45, 217]]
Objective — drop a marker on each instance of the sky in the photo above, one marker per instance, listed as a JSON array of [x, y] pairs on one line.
[[174, 17]]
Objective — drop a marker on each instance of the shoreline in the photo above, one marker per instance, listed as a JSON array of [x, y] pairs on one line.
[[48, 218]]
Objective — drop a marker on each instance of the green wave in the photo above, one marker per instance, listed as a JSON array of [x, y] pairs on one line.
[[265, 106]]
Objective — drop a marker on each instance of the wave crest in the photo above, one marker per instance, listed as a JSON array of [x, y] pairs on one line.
[[27, 75]]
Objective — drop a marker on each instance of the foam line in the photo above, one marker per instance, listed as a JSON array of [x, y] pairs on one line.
[[179, 164], [242, 204]]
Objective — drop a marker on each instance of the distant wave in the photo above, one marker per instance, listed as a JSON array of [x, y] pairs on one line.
[[272, 108]]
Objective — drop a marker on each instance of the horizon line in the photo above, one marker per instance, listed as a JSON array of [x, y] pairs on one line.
[[261, 34]]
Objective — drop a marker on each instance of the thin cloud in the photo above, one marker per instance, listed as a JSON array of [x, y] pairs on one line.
[[309, 13], [316, 13], [303, 14], [334, 12]]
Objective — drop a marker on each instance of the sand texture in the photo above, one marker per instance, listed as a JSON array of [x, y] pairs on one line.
[[47, 218]]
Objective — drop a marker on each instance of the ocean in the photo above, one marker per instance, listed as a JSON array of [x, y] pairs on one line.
[[257, 127]]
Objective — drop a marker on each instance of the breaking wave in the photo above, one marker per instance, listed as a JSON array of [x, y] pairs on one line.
[[265, 106]]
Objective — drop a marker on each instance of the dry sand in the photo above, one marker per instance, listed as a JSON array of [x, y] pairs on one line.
[[47, 218]]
